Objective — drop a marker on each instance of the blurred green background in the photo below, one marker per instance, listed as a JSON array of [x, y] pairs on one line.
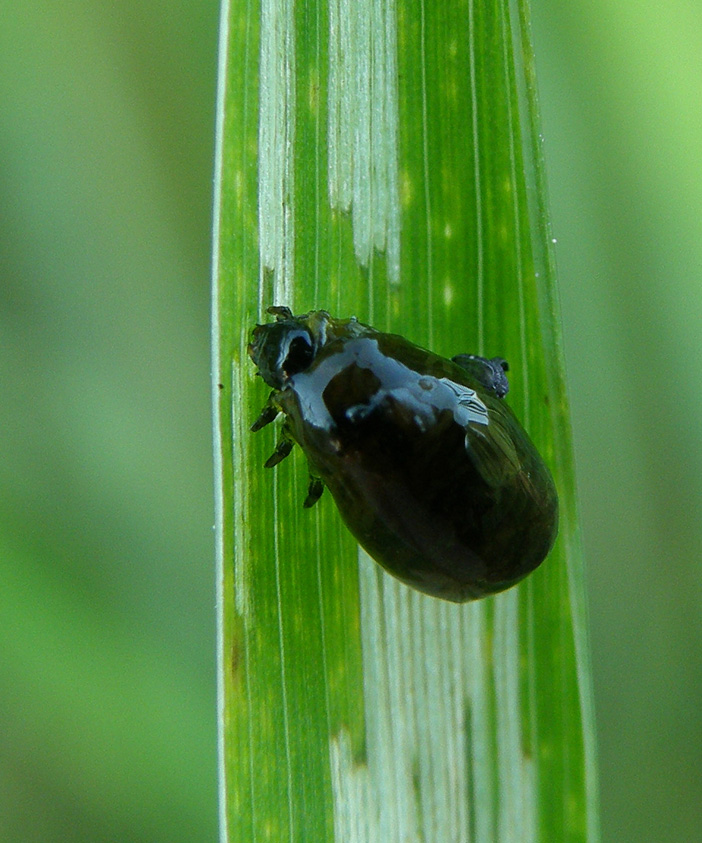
[[107, 706]]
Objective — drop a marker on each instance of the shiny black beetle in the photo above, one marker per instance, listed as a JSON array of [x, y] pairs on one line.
[[430, 469]]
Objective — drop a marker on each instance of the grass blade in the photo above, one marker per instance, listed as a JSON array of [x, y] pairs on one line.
[[383, 161]]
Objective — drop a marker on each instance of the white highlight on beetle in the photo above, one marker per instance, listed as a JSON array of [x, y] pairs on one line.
[[440, 764], [276, 145], [363, 125]]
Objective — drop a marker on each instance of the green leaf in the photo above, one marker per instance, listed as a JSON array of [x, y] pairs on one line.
[[382, 160]]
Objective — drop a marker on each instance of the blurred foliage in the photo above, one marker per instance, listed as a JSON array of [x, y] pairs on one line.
[[107, 655], [622, 116], [106, 650]]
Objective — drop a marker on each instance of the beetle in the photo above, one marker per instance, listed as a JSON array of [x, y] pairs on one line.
[[429, 467]]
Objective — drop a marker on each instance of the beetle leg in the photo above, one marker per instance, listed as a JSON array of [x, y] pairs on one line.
[[490, 372], [282, 449], [314, 492], [268, 414]]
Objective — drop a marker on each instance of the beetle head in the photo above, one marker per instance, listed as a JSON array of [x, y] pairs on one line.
[[281, 349]]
